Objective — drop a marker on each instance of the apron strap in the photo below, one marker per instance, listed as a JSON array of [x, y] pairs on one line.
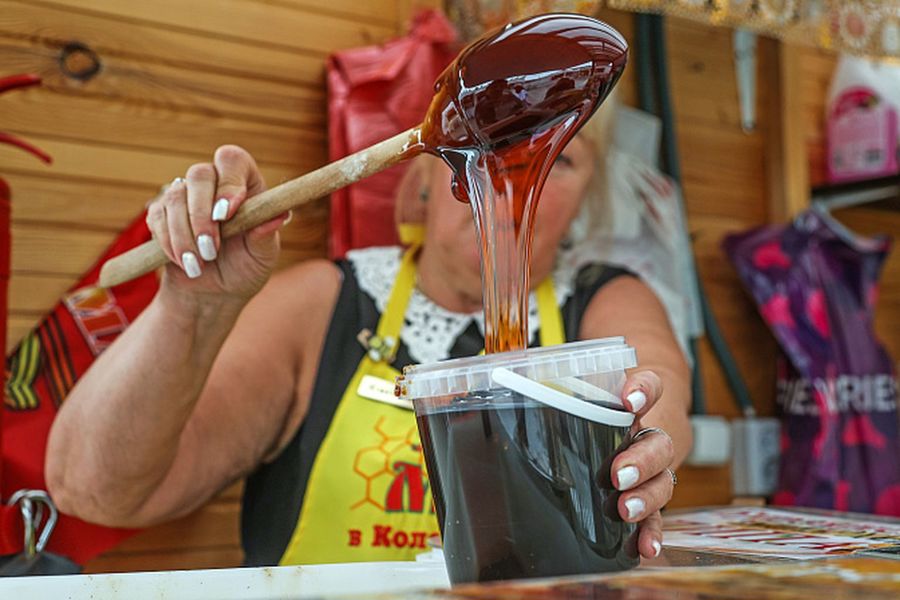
[[391, 322], [552, 330], [411, 234]]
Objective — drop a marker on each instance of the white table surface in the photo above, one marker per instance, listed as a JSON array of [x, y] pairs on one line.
[[267, 583]]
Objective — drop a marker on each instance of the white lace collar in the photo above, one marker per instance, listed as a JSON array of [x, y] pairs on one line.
[[429, 331]]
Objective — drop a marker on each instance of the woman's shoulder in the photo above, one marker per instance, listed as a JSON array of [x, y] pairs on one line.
[[319, 284], [310, 285], [310, 271], [590, 277], [599, 273]]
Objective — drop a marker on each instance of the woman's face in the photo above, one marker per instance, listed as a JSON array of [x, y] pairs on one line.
[[450, 231]]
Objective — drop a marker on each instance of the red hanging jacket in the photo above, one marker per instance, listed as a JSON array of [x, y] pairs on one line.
[[374, 93]]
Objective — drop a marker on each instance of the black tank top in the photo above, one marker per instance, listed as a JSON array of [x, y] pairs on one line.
[[273, 494]]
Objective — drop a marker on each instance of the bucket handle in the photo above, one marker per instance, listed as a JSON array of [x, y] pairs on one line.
[[554, 398]]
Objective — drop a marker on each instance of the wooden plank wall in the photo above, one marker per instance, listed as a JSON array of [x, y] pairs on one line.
[[177, 80]]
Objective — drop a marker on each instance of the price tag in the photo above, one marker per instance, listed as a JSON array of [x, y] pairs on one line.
[[380, 390]]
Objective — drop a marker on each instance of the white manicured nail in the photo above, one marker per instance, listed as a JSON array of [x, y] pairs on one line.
[[637, 399], [657, 547], [220, 209], [191, 265], [207, 247], [290, 218], [177, 181], [627, 476], [635, 507]]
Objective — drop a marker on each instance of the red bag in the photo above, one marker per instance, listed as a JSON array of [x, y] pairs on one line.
[[13, 82], [374, 93], [41, 371]]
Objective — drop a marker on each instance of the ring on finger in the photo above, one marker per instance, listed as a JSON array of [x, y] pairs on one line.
[[165, 187], [648, 431], [673, 476]]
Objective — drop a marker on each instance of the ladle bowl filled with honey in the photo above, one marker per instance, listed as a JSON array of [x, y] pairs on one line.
[[501, 114]]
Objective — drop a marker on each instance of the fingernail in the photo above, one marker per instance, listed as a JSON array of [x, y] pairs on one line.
[[220, 209], [635, 507], [637, 399], [627, 476], [177, 181], [191, 266], [657, 548], [207, 247], [290, 218]]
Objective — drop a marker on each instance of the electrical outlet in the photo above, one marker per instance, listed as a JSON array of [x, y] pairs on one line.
[[757, 448], [712, 441]]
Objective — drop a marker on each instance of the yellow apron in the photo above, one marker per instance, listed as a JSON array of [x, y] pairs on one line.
[[368, 497]]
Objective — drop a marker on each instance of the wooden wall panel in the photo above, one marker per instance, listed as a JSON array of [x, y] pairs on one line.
[[85, 159], [193, 557], [257, 22], [80, 202], [178, 78], [818, 67], [187, 87], [161, 128], [154, 45]]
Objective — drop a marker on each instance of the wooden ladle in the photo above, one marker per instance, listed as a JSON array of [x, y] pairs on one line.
[[503, 89], [277, 200]]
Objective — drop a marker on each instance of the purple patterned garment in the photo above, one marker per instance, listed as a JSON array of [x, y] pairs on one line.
[[816, 285]]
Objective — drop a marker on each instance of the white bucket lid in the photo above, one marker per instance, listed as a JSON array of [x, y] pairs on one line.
[[473, 374]]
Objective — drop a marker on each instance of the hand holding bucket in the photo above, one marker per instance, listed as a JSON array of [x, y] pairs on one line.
[[520, 469]]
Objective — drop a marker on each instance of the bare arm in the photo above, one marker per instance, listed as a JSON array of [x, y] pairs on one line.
[[182, 405], [207, 382], [626, 306]]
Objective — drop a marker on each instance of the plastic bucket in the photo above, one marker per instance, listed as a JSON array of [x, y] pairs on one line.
[[518, 447]]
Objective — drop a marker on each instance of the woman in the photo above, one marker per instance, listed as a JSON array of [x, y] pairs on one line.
[[230, 373]]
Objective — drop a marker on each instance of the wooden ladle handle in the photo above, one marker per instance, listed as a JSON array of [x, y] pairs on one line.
[[279, 199]]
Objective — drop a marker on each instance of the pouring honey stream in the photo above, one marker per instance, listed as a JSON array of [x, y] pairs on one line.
[[502, 113], [499, 463]]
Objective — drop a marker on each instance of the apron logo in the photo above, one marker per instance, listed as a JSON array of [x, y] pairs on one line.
[[394, 470], [385, 536], [396, 483], [409, 478]]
